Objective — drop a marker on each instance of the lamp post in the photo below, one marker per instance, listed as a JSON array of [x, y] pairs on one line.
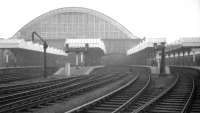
[[45, 46], [155, 48], [85, 52], [170, 54], [162, 63], [161, 47]]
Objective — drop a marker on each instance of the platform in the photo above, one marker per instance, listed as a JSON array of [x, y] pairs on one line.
[[76, 72], [154, 70], [193, 67]]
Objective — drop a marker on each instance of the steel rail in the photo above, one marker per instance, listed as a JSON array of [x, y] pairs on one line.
[[30, 86], [23, 87], [157, 97], [44, 91], [84, 106], [9, 74], [20, 87], [32, 101], [32, 92], [13, 87], [80, 90], [188, 103], [122, 107], [195, 105]]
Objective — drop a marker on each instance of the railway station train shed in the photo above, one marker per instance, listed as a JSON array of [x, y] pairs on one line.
[[80, 23], [112, 71], [185, 51]]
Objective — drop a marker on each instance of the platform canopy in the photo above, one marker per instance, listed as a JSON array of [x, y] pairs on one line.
[[28, 45], [80, 43], [184, 44], [145, 44]]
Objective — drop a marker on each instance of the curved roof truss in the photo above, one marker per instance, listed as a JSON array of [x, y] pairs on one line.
[[78, 9]]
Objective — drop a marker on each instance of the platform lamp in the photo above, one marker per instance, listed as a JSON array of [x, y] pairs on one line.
[[45, 46], [161, 47], [155, 45], [162, 63], [86, 47], [67, 48], [85, 51]]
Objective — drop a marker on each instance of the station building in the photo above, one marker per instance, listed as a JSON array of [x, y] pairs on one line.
[[79, 23]]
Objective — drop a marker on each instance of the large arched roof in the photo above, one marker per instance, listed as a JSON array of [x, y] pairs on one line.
[[78, 10]]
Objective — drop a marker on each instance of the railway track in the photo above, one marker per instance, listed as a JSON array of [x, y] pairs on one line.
[[175, 100], [113, 101], [28, 100], [33, 92], [6, 90], [144, 98], [12, 74], [195, 107], [25, 87], [139, 100]]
